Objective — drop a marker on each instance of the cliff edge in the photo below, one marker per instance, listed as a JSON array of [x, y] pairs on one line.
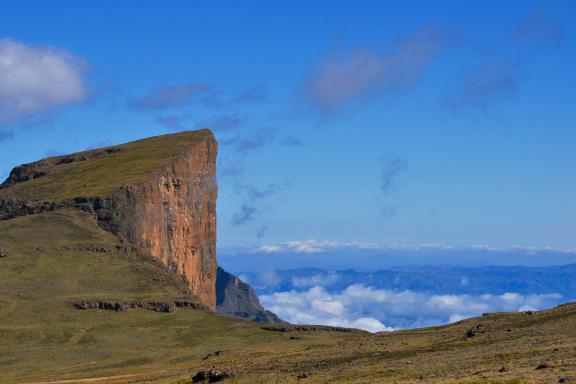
[[157, 194]]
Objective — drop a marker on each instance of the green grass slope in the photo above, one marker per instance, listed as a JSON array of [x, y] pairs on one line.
[[55, 258]]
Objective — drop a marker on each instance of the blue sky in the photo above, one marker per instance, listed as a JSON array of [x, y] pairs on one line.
[[391, 122]]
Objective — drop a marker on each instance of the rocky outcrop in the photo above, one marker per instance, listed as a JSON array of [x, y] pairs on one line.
[[122, 306], [167, 209], [308, 328], [235, 298]]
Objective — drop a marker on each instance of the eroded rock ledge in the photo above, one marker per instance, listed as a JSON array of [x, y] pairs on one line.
[[122, 306]]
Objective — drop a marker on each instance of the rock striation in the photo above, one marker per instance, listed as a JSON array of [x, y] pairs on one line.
[[158, 195]]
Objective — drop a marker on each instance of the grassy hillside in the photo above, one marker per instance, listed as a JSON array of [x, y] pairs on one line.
[[53, 260], [56, 258], [99, 172]]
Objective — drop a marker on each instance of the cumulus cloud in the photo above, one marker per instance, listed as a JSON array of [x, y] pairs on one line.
[[35, 80], [377, 310], [315, 306], [344, 75]]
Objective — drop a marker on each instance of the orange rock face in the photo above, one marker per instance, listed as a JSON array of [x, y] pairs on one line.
[[174, 217], [168, 210]]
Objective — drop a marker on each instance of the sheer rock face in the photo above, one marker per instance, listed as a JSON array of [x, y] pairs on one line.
[[169, 210], [174, 217]]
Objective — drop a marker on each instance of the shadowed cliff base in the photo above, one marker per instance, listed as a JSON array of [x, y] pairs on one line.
[[235, 298]]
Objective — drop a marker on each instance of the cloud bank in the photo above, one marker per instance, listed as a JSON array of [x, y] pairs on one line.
[[35, 80], [375, 310], [321, 246]]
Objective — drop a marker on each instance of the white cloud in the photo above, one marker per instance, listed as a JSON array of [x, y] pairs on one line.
[[376, 310], [311, 246], [314, 246], [35, 80]]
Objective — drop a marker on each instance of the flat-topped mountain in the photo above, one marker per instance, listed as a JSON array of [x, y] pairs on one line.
[[157, 194]]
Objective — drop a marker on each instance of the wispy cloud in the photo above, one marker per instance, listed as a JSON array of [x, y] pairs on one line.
[[6, 135], [378, 310], [175, 96], [257, 201], [292, 142], [171, 96], [542, 25], [491, 81], [392, 167], [174, 122], [254, 94], [245, 214], [224, 122], [498, 75], [35, 80], [262, 231], [344, 75]]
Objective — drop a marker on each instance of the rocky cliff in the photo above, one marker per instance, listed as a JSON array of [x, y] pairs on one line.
[[158, 195], [235, 298]]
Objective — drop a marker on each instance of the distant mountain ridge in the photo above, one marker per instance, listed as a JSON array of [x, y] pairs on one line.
[[431, 279], [237, 299]]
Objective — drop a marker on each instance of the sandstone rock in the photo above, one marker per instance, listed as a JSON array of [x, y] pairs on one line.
[[167, 208]]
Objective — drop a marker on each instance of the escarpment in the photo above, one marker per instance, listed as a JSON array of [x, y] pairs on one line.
[[158, 195]]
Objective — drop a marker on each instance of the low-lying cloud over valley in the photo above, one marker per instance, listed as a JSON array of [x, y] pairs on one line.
[[377, 310]]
